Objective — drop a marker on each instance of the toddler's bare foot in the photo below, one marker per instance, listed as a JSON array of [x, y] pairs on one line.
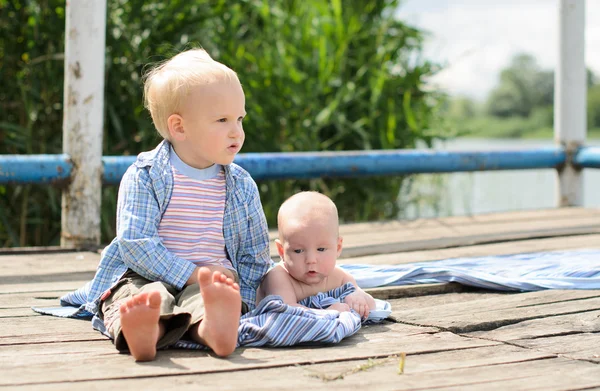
[[222, 308], [139, 323]]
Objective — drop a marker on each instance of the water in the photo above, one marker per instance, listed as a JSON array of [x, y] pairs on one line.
[[438, 195]]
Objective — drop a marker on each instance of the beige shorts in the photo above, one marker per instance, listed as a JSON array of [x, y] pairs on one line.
[[178, 310]]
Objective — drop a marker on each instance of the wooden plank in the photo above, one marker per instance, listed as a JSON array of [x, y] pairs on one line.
[[14, 267], [422, 302], [480, 219], [29, 299], [58, 286], [407, 238], [585, 346], [376, 341], [424, 239], [491, 313], [540, 374], [16, 313], [480, 250], [37, 329], [581, 322]]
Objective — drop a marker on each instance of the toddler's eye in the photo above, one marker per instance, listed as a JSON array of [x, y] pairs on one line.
[[298, 251], [241, 119], [222, 120], [321, 249]]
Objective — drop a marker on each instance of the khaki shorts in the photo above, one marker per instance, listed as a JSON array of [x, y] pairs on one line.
[[179, 309]]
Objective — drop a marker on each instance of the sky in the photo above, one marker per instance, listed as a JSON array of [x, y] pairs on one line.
[[476, 39]]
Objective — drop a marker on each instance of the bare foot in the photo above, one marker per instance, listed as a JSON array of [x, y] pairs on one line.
[[222, 308], [140, 325]]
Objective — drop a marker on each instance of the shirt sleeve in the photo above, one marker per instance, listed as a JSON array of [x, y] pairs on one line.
[[255, 258], [138, 219]]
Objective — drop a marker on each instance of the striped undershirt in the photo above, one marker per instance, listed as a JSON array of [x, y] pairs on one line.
[[192, 225]]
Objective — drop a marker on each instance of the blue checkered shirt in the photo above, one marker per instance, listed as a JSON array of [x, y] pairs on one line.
[[144, 194]]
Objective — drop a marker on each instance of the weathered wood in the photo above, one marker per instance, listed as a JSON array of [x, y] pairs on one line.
[[377, 341], [580, 322], [38, 329], [541, 374], [585, 346], [516, 346], [57, 286], [16, 312], [424, 239], [422, 302], [83, 107], [481, 219], [29, 299], [488, 314]]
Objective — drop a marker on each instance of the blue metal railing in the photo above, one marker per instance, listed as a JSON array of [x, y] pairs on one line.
[[56, 169]]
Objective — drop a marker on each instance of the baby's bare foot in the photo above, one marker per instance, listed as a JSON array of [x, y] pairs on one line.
[[139, 323], [222, 308]]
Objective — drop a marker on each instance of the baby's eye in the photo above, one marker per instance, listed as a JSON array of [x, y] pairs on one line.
[[298, 251], [241, 119], [321, 249], [222, 120]]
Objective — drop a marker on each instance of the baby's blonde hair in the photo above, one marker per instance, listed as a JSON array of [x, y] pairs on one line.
[[166, 85]]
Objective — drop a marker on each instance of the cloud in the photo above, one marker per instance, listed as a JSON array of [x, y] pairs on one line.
[[476, 39]]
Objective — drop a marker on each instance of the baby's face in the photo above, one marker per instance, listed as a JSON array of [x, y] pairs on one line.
[[212, 120], [309, 249]]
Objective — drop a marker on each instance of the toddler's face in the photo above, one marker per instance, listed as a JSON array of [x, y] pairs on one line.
[[212, 120]]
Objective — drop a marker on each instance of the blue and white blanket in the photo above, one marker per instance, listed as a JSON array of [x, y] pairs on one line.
[[578, 269]]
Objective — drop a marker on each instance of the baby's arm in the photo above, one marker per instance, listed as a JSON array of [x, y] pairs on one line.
[[279, 282]]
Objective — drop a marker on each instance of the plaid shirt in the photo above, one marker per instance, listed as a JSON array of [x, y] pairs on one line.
[[144, 194]]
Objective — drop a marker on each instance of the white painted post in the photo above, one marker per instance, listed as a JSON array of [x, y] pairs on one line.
[[83, 120], [570, 86]]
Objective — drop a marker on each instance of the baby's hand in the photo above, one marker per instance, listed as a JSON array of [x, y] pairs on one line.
[[360, 302], [341, 307]]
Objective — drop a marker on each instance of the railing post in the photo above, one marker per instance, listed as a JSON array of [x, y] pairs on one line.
[[85, 32], [570, 87]]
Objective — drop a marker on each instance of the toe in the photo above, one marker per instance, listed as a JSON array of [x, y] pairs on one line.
[[204, 276], [154, 300]]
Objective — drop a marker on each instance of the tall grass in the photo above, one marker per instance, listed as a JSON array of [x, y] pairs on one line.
[[318, 75]]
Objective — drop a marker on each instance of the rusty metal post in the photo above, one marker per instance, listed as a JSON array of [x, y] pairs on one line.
[[570, 98], [83, 120]]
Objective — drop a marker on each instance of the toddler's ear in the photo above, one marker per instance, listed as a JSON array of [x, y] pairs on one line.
[[175, 124]]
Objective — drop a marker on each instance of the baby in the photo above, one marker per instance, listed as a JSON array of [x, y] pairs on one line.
[[309, 245]]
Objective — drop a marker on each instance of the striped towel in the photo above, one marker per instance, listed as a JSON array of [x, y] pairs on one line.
[[578, 269], [274, 323]]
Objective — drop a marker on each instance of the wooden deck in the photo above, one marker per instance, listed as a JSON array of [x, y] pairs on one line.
[[453, 337]]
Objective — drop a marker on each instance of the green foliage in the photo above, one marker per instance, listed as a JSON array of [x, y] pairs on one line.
[[318, 75]]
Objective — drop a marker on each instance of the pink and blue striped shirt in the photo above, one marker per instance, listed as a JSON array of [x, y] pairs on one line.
[[192, 225]]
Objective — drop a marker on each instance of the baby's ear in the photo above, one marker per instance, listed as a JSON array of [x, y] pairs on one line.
[[339, 245], [279, 248]]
